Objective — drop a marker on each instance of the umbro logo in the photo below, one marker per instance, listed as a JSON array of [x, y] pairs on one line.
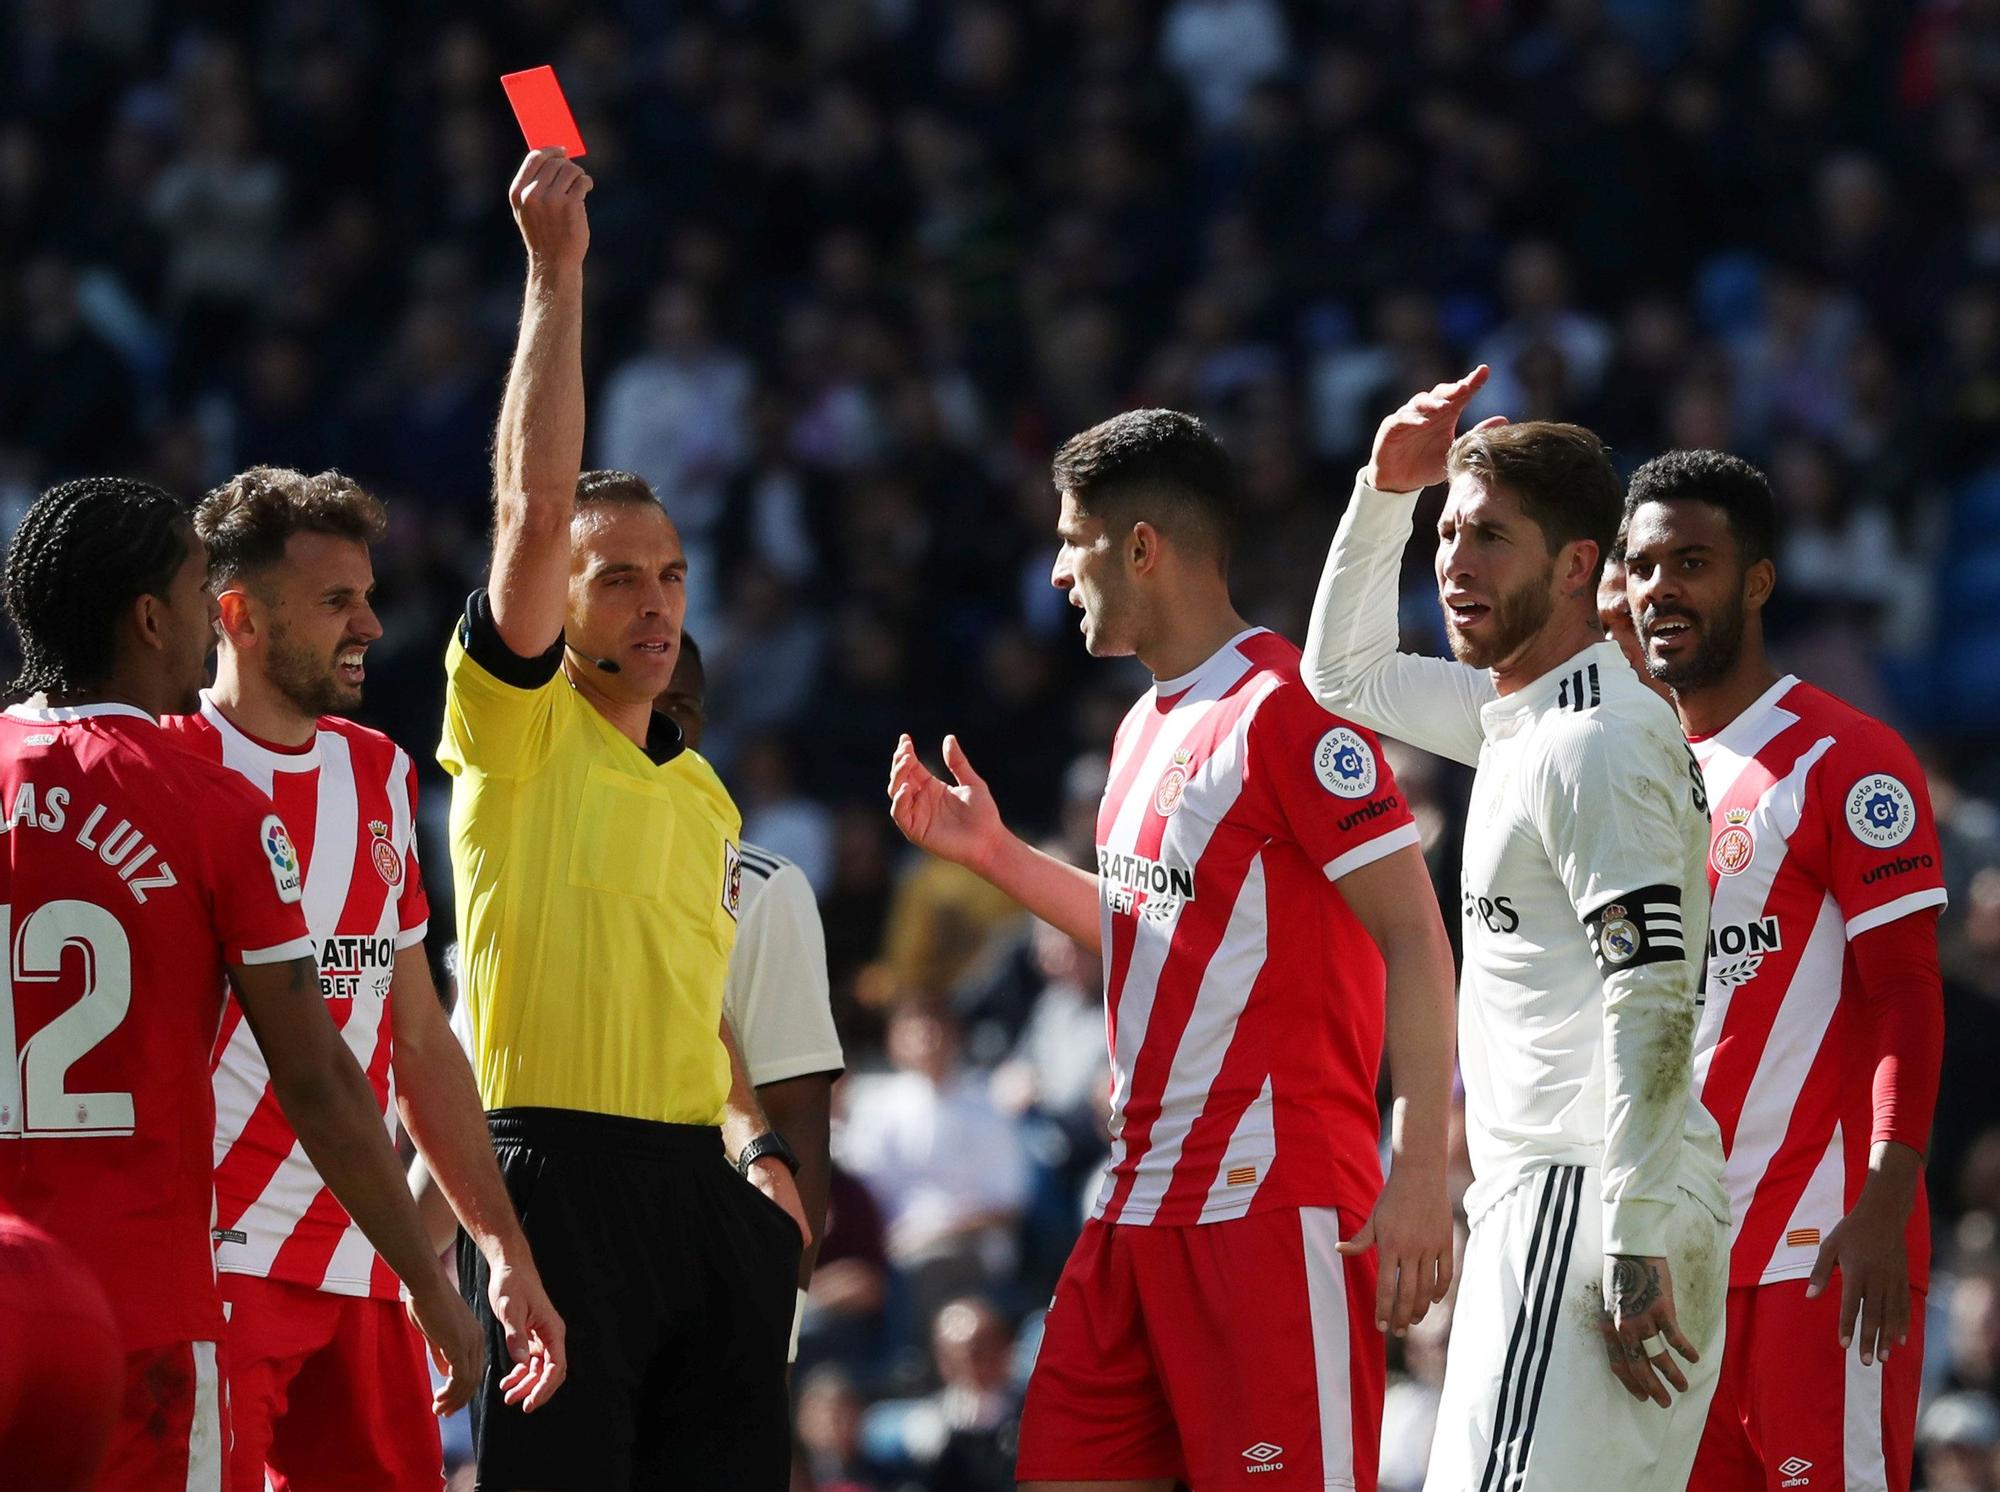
[[1793, 1469], [1265, 1455]]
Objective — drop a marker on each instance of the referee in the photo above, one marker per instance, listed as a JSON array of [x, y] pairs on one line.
[[598, 880]]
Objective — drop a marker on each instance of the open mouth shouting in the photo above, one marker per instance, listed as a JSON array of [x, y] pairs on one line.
[[1669, 634]]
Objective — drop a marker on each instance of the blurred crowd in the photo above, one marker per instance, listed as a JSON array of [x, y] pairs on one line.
[[858, 265]]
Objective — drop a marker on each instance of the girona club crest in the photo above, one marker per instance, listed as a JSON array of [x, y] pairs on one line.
[[1173, 785], [388, 864], [1735, 846]]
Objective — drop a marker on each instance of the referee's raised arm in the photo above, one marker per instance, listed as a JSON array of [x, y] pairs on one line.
[[538, 447]]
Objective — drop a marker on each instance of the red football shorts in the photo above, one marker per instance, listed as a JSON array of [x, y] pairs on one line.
[[62, 1363], [1794, 1413], [327, 1391], [173, 1424], [1210, 1353]]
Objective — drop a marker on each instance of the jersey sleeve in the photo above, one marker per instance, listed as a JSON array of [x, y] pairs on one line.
[[1328, 784], [413, 907], [776, 994], [1351, 663], [1883, 860], [256, 881], [1610, 814], [499, 710]]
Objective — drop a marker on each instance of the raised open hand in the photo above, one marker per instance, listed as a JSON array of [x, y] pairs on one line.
[[1411, 444]]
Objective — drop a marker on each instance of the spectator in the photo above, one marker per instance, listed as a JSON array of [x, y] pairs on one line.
[[945, 1166]]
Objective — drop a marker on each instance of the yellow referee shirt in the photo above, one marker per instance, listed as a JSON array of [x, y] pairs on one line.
[[597, 887]]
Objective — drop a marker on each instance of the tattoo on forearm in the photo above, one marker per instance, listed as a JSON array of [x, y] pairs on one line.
[[1635, 1287]]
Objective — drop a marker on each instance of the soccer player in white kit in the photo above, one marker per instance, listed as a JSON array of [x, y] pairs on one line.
[[1597, 1210]]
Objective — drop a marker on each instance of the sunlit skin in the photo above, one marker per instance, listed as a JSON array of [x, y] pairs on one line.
[[186, 629], [627, 599], [1614, 611], [299, 633], [1500, 586], [1166, 604], [1693, 602]]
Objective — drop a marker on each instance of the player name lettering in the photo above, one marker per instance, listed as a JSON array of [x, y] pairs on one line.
[[124, 847]]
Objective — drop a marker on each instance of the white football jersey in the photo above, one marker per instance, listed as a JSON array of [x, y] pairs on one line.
[[1584, 895]]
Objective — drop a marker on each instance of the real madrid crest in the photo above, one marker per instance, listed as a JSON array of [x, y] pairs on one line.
[[1173, 785], [1735, 846], [388, 864], [1617, 935]]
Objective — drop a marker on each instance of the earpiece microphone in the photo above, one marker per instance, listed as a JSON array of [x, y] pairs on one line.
[[603, 665]]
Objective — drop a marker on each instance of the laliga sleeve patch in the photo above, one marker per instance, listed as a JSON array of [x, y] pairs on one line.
[[284, 860], [1640, 927], [1344, 764], [1881, 811]]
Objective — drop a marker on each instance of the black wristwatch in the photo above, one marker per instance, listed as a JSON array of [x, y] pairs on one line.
[[770, 1142]]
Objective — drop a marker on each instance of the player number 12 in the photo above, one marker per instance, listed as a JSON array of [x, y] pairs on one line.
[[35, 1101]]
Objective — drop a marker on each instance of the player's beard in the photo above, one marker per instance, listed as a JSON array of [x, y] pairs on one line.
[[1718, 641], [308, 681], [1517, 616]]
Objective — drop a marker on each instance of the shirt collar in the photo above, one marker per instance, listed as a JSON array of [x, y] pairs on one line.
[[1167, 688], [1750, 719], [1534, 697], [67, 714], [244, 746]]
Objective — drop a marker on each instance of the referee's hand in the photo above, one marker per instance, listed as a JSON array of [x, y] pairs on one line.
[[457, 1344], [534, 1336], [773, 1178]]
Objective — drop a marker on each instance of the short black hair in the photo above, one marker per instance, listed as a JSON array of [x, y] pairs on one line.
[[1561, 473], [691, 652], [84, 552], [1730, 483], [607, 488], [1158, 465], [247, 520]]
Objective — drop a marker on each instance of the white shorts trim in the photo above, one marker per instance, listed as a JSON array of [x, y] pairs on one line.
[[205, 1447]]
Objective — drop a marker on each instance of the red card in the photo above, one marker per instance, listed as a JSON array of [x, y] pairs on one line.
[[543, 111]]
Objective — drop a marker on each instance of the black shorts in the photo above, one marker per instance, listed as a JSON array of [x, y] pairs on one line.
[[675, 1278]]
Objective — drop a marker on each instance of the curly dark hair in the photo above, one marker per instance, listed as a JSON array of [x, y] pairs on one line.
[[246, 521], [85, 551], [1720, 479]]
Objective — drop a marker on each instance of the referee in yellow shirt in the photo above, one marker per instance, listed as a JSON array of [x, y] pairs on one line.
[[596, 867]]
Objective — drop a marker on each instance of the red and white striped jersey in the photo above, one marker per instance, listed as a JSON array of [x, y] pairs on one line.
[[1821, 829], [349, 799], [1243, 999]]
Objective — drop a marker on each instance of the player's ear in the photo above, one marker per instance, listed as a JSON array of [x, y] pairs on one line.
[[238, 622], [149, 622], [1577, 569], [1759, 580], [1142, 546]]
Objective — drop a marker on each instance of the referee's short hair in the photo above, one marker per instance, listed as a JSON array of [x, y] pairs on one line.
[[1562, 475], [1730, 483], [607, 488]]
